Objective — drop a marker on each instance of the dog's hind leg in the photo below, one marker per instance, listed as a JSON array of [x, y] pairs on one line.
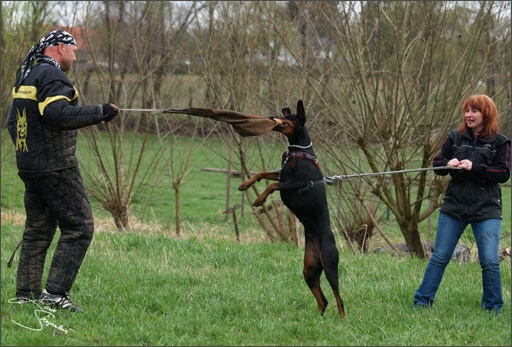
[[312, 271], [330, 260]]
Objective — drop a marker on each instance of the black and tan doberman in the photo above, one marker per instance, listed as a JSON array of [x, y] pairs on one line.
[[302, 189]]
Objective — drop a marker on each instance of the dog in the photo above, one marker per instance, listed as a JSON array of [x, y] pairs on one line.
[[302, 188]]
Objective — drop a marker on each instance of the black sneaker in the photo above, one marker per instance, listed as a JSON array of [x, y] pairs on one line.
[[58, 301]]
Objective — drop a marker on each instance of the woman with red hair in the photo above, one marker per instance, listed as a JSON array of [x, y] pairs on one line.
[[481, 155]]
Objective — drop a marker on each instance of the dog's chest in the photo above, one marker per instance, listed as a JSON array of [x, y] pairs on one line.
[[298, 164]]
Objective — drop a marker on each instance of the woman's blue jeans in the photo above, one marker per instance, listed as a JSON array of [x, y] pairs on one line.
[[487, 237]]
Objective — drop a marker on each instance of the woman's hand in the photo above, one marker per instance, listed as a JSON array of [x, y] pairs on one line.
[[466, 164], [454, 162], [463, 164]]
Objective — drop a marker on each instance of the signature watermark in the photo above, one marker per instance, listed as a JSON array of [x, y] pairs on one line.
[[45, 317]]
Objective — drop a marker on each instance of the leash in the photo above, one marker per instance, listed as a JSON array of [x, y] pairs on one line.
[[331, 179], [152, 110], [9, 263]]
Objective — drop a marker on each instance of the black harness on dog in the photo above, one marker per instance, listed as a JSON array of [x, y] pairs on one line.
[[304, 155], [309, 157], [311, 184]]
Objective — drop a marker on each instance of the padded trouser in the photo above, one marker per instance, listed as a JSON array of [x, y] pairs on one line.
[[54, 199]]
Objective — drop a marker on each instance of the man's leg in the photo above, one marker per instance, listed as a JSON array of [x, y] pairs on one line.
[[71, 207], [39, 231]]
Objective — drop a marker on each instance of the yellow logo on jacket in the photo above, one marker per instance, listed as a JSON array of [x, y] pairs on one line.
[[22, 129]]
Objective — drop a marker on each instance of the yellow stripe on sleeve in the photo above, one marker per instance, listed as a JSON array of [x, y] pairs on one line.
[[42, 105]]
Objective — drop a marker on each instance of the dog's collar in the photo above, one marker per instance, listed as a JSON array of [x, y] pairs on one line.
[[301, 147]]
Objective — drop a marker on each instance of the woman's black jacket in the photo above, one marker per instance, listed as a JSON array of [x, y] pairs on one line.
[[476, 194]]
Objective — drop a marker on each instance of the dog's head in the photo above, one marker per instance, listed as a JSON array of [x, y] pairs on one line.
[[291, 123]]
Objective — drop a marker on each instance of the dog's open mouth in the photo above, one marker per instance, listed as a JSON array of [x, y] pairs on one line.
[[280, 127], [280, 124]]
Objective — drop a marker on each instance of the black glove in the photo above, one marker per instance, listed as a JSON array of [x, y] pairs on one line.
[[110, 112]]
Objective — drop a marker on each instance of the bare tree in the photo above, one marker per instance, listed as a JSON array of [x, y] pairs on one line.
[[398, 72], [382, 82], [22, 25], [179, 160], [133, 36], [229, 37]]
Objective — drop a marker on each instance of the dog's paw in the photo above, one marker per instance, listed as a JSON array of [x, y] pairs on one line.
[[243, 187], [259, 202]]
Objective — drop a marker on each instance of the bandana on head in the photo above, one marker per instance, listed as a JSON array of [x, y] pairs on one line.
[[36, 52]]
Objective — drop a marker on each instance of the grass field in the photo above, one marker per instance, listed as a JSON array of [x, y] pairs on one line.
[[150, 287]]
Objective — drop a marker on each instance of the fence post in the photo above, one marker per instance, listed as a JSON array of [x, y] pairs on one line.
[[232, 210]]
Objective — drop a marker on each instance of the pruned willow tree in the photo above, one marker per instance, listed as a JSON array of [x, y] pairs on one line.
[[131, 64], [388, 79], [382, 82]]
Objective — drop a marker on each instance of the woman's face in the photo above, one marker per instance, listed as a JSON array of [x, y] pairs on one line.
[[474, 119]]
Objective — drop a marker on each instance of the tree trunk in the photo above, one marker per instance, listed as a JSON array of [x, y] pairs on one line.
[[177, 210], [121, 218], [413, 239]]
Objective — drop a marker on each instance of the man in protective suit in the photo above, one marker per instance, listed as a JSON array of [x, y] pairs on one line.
[[43, 120]]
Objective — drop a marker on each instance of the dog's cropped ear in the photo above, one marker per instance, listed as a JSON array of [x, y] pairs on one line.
[[301, 112], [286, 111]]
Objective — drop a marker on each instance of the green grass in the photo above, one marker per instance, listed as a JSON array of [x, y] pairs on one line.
[[151, 289]]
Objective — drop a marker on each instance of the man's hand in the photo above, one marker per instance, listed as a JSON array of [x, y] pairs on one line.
[[110, 111]]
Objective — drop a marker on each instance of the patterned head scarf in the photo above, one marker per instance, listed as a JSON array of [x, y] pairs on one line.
[[36, 52]]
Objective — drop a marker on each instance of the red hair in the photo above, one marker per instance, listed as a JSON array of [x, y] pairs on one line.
[[490, 114]]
